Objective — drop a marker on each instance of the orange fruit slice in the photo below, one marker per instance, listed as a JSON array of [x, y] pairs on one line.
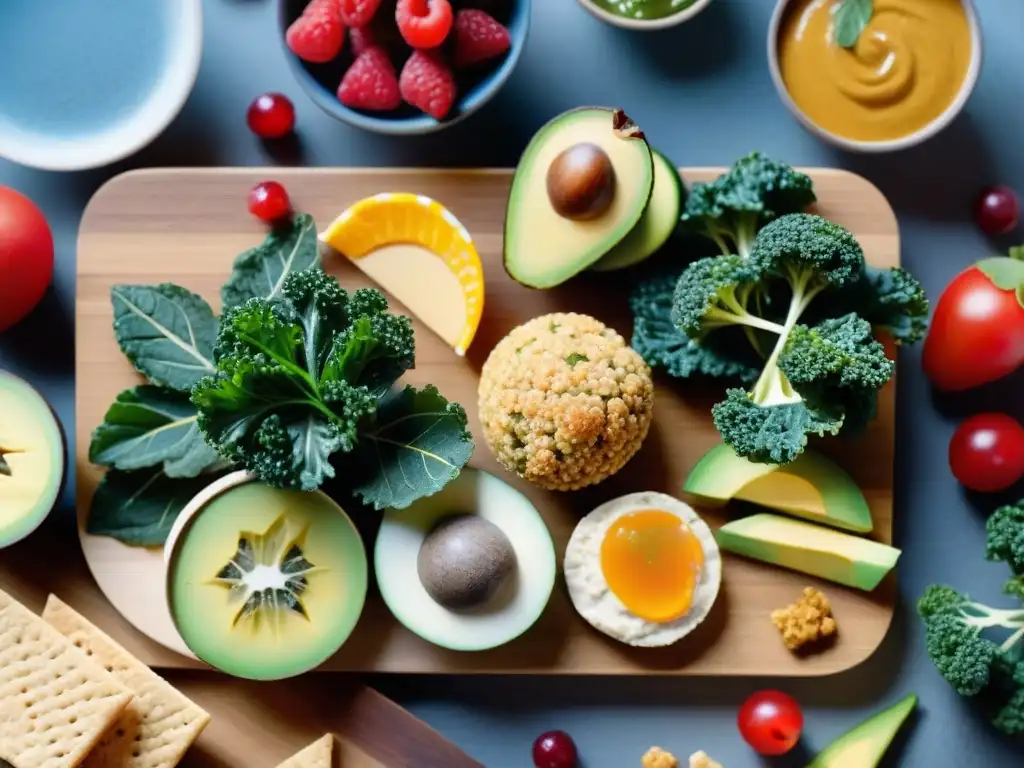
[[416, 250]]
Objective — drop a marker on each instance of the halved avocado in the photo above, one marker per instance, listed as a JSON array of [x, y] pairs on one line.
[[656, 225], [581, 186], [812, 487], [266, 583], [864, 746], [31, 459]]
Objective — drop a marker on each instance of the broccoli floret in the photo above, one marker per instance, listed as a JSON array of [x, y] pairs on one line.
[[975, 665], [810, 252], [1005, 543], [713, 292], [663, 345], [731, 209], [839, 352]]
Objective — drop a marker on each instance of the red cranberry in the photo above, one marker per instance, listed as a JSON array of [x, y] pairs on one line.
[[269, 202], [997, 210], [554, 749], [271, 116]]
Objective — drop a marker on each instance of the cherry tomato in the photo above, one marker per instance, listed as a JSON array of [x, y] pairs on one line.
[[555, 749], [770, 722], [976, 335], [997, 210], [26, 256], [271, 116], [268, 202], [987, 452]]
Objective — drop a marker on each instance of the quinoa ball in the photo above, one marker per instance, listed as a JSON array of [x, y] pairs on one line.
[[564, 402]]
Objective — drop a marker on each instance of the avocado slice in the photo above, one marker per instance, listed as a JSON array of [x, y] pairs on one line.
[[31, 459], [656, 225], [265, 583], [813, 487], [581, 186], [865, 745], [808, 548]]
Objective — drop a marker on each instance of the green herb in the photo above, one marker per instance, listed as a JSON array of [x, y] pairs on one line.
[[166, 331], [260, 273], [574, 358], [851, 19], [139, 508], [302, 378], [150, 426], [418, 445]]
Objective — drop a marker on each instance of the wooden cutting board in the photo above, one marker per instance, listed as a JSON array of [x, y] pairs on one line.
[[187, 226]]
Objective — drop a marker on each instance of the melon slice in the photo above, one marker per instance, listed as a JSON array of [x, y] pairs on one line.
[[416, 250], [31, 459]]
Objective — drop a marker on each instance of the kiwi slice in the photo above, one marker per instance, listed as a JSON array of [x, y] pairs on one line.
[[265, 583]]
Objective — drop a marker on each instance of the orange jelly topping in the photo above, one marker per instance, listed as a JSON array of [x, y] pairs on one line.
[[651, 561]]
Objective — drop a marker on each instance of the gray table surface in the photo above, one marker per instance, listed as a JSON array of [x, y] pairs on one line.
[[702, 92]]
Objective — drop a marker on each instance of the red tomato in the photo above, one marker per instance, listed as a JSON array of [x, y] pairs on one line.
[[770, 722], [976, 335], [987, 452], [26, 256]]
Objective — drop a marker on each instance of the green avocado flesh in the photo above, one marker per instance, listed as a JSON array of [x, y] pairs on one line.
[[31, 459], [808, 548], [865, 745], [656, 225], [813, 487], [543, 248], [265, 583]]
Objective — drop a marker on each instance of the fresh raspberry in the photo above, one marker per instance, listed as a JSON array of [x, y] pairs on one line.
[[424, 23], [358, 13], [361, 39], [428, 84], [370, 83], [318, 34], [478, 37]]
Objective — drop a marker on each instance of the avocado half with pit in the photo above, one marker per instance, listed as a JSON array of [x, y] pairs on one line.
[[813, 487], [264, 583], [31, 459], [580, 188]]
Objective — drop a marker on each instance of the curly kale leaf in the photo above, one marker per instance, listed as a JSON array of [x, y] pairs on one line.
[[891, 300], [753, 192], [298, 377], [657, 339], [840, 352]]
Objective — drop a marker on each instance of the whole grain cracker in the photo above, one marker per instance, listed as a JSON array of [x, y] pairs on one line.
[[316, 755], [55, 702], [160, 724]]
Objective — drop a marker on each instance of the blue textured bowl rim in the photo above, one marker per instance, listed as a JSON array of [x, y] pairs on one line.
[[421, 124]]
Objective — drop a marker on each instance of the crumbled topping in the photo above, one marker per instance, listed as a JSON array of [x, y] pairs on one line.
[[656, 757], [564, 402], [805, 621]]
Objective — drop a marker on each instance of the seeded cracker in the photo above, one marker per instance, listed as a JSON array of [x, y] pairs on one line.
[[55, 702], [316, 755], [157, 728]]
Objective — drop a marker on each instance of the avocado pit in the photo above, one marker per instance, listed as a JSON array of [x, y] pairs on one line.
[[464, 561], [581, 182]]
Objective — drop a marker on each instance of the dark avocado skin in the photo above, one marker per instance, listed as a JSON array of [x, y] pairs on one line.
[[612, 113]]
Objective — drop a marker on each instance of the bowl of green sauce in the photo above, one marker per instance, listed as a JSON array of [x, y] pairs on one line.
[[644, 14]]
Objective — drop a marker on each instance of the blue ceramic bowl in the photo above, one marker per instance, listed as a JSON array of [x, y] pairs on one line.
[[476, 88]]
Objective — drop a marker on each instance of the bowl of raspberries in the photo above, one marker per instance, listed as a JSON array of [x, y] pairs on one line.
[[403, 66]]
